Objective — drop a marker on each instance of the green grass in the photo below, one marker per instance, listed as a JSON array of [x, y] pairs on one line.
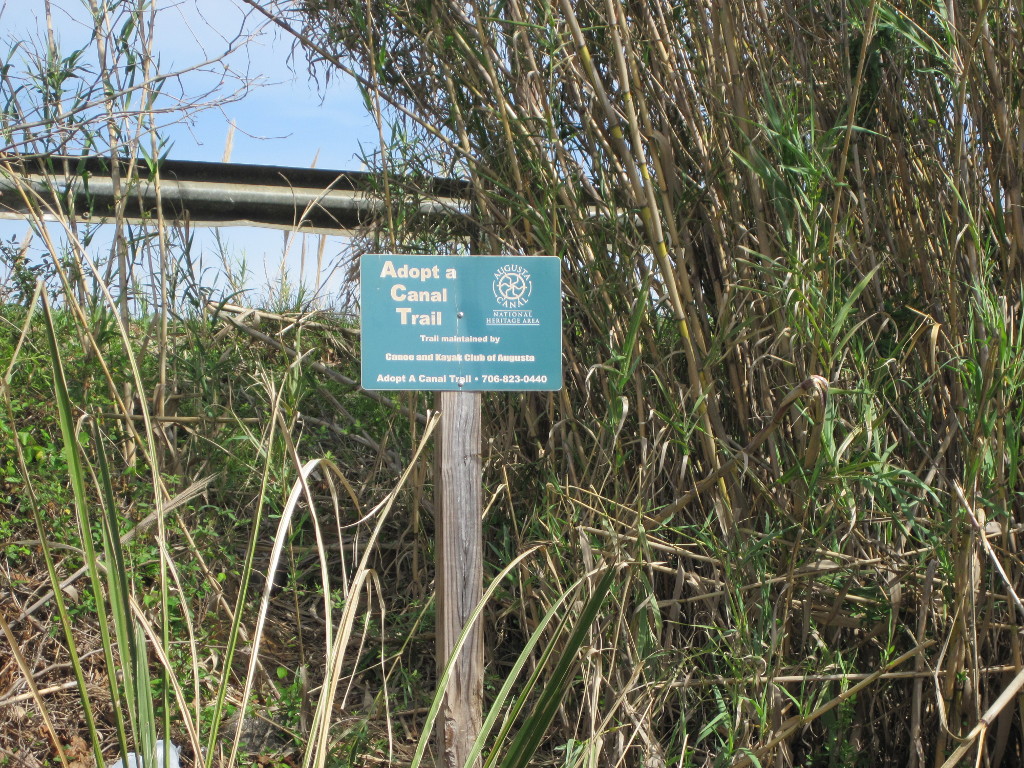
[[748, 531]]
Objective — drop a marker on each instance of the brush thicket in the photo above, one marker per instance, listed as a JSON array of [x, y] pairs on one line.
[[792, 239], [772, 517]]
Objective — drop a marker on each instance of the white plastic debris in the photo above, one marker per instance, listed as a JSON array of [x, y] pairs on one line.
[[132, 760]]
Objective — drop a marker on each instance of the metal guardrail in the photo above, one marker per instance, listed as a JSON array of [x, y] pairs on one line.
[[215, 194]]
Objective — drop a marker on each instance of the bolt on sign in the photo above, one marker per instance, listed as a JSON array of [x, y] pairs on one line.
[[462, 323]]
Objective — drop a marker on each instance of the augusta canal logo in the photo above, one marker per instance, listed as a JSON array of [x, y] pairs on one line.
[[512, 286]]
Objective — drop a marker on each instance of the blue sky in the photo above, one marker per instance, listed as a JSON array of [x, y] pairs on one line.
[[282, 118], [285, 118]]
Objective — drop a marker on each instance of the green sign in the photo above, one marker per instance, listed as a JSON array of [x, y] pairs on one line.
[[461, 322]]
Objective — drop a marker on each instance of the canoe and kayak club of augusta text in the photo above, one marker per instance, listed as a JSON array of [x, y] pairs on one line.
[[458, 326]]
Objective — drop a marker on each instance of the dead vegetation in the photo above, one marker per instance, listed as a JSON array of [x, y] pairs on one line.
[[791, 240]]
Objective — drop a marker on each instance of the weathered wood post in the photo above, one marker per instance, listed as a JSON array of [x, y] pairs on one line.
[[459, 547]]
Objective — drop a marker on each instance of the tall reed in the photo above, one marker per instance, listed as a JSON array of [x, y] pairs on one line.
[[773, 516], [791, 240]]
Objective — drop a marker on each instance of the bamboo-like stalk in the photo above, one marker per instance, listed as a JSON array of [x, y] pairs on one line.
[[744, 197], [769, 265]]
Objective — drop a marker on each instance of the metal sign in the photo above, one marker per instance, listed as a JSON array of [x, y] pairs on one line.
[[463, 323]]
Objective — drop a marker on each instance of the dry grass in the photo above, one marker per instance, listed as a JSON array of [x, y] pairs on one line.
[[792, 242]]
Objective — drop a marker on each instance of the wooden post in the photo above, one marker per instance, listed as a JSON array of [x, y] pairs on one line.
[[459, 574]]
